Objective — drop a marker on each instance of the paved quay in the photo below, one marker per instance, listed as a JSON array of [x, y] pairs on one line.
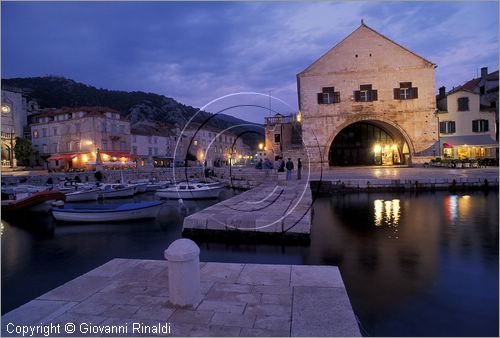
[[237, 300], [282, 207]]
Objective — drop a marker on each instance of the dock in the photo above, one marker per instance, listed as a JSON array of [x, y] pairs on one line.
[[280, 208], [132, 295]]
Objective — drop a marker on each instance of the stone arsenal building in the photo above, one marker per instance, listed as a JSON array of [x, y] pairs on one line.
[[368, 101]]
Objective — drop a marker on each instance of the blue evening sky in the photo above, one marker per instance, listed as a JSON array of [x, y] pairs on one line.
[[196, 52]]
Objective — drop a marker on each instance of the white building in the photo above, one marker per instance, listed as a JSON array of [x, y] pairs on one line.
[[154, 142], [466, 131]]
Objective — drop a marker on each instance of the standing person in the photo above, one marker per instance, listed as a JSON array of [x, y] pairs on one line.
[[289, 168], [299, 169]]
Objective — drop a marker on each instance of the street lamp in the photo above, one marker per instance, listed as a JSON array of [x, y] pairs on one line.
[[261, 146]]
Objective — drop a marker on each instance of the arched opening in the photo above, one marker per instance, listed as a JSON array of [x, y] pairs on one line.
[[368, 143]]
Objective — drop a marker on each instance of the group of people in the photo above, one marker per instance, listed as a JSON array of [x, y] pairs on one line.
[[280, 165]]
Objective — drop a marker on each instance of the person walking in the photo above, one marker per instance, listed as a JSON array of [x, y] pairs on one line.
[[289, 168], [299, 169]]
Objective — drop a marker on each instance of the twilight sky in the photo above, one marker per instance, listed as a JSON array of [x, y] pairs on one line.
[[196, 52]]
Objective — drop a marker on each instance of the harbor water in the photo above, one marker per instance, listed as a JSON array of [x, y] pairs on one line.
[[413, 264]]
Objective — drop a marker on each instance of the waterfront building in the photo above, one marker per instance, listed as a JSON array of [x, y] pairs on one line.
[[69, 137], [214, 147], [16, 105], [468, 118], [368, 101], [154, 142], [284, 137]]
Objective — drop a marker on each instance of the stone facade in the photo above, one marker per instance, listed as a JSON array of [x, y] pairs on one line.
[[367, 57], [70, 137]]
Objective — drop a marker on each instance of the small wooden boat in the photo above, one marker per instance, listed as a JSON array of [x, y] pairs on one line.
[[83, 195], [117, 190], [190, 191], [106, 212], [12, 206]]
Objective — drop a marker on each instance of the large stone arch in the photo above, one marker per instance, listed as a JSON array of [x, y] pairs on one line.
[[388, 125]]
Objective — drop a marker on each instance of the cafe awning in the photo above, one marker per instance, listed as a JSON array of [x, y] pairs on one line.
[[469, 140]]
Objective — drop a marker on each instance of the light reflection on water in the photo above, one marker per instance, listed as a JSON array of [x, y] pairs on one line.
[[412, 264]]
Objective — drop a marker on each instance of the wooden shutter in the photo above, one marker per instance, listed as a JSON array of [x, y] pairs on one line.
[[365, 87], [396, 94], [451, 127], [414, 93], [374, 95], [320, 98], [336, 97], [485, 125], [475, 126], [357, 96], [328, 89], [405, 85], [442, 127]]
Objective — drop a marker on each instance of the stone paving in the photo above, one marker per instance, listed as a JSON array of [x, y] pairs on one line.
[[277, 207], [237, 300]]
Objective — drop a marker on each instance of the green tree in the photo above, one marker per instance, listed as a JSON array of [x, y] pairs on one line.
[[23, 150]]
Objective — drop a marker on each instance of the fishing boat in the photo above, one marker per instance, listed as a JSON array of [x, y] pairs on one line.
[[83, 195], [190, 191], [106, 212], [31, 201], [117, 190]]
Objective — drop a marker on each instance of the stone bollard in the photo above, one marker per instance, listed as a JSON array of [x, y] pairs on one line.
[[183, 257]]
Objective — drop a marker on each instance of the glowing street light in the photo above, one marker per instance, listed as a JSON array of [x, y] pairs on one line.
[[299, 117], [261, 146]]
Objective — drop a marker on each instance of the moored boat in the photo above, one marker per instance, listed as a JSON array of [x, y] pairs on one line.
[[83, 195], [31, 201], [190, 191], [106, 212], [117, 190]]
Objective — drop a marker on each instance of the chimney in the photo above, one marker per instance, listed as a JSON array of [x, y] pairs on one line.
[[442, 92], [484, 72]]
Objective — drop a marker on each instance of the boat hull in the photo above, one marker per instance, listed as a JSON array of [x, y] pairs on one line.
[[186, 194], [92, 216], [78, 196], [117, 193]]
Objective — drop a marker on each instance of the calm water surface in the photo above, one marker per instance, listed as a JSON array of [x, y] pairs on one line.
[[414, 265]]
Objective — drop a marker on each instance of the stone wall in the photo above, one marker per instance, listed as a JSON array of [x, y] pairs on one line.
[[366, 57]]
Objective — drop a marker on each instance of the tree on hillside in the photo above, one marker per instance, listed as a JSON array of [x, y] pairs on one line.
[[23, 150]]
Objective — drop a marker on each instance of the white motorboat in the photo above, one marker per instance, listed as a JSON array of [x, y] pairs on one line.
[[190, 191], [106, 212], [117, 190], [83, 195]]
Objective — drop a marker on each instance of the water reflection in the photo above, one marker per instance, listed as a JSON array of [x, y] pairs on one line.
[[442, 267]]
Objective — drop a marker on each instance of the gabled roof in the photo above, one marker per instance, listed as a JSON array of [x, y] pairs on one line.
[[363, 25], [473, 84]]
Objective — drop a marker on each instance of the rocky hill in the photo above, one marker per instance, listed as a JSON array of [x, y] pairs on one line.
[[57, 92]]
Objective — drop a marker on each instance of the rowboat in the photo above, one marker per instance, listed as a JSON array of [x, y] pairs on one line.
[[106, 212], [117, 190], [83, 195], [190, 191]]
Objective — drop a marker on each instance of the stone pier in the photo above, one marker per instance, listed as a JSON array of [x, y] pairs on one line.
[[270, 208], [236, 300]]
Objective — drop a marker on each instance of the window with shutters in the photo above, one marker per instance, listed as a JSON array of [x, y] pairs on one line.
[[447, 127], [463, 104], [405, 91], [480, 126], [365, 94], [328, 95]]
